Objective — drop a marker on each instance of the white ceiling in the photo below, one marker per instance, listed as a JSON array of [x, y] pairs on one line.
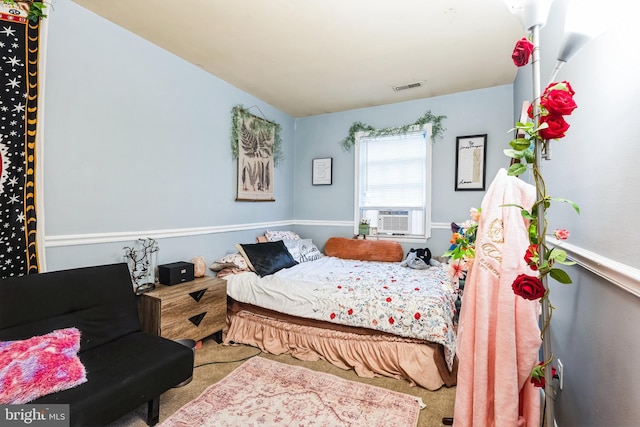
[[308, 57]]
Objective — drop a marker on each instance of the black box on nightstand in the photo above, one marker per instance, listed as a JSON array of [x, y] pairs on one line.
[[175, 273]]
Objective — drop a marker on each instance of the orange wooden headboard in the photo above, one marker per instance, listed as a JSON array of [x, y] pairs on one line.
[[365, 250]]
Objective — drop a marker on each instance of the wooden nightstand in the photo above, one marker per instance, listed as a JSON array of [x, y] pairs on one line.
[[191, 310]]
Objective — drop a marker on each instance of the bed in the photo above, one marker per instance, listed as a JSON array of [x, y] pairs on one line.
[[379, 318]]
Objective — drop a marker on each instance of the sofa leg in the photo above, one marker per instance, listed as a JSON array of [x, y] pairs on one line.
[[153, 411]]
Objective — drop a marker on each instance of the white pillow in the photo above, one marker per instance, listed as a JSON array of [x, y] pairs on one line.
[[302, 250], [232, 260], [308, 251], [274, 235], [292, 247]]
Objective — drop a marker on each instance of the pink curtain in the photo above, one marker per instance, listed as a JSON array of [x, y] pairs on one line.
[[498, 336]]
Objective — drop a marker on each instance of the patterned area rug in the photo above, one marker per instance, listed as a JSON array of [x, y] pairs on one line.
[[263, 393]]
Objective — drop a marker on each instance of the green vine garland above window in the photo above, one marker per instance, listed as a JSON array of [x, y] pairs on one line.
[[436, 129], [239, 113], [36, 8]]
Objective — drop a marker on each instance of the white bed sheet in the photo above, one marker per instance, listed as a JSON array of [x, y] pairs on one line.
[[377, 295]]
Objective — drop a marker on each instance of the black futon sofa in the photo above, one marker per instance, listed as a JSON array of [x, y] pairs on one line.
[[125, 367]]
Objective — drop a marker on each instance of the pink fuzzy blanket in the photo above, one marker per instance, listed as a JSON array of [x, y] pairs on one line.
[[40, 365]]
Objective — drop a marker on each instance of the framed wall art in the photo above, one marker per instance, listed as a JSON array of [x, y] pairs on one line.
[[256, 138], [471, 158], [322, 171]]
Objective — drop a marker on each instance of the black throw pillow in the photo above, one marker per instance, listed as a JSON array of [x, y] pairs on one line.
[[266, 258]]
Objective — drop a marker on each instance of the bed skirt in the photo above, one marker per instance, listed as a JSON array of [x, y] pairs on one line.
[[369, 353]]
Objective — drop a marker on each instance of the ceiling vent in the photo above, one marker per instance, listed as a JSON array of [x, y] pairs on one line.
[[407, 86]]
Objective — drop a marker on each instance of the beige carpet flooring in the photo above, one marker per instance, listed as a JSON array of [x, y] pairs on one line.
[[215, 361]]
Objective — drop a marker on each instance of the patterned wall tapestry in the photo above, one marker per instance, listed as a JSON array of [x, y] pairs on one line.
[[19, 53]]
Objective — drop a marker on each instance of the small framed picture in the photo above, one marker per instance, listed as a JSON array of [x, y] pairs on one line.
[[471, 157], [322, 171]]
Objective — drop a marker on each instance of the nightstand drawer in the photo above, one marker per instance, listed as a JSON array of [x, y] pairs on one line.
[[195, 327], [193, 303], [192, 310]]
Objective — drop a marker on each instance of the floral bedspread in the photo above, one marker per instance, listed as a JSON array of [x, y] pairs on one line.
[[376, 295]]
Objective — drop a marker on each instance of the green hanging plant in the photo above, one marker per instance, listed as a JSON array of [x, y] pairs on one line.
[[436, 129], [36, 9], [258, 124]]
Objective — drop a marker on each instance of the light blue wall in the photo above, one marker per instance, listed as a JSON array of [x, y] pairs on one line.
[[486, 111], [596, 165], [138, 140]]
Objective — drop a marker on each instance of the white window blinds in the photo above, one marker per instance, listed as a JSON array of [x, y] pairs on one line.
[[393, 171]]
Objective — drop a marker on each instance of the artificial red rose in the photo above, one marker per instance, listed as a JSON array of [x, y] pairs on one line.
[[563, 85], [530, 111], [417, 316], [538, 382], [332, 316], [528, 287], [558, 102], [532, 251], [522, 52], [537, 376], [391, 321], [557, 127]]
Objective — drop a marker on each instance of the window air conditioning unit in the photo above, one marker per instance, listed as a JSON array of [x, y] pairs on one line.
[[393, 222]]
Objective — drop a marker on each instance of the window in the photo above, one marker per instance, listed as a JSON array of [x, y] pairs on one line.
[[393, 184]]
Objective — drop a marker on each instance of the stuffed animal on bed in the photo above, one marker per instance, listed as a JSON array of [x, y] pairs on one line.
[[423, 254], [420, 259]]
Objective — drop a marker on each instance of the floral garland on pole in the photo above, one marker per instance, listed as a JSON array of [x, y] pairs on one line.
[[548, 112]]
